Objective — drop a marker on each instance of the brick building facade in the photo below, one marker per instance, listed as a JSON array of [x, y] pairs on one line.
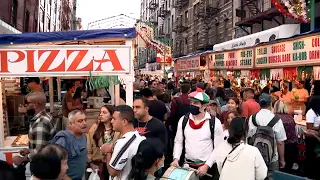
[[39, 15], [20, 14]]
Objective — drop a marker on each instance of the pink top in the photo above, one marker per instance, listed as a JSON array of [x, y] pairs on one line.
[[249, 108]]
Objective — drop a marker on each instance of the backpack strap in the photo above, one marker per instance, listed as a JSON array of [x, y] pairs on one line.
[[234, 148], [274, 121], [253, 118], [184, 124], [179, 102], [212, 123]]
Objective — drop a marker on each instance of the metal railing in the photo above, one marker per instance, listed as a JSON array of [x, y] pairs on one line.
[[250, 8]]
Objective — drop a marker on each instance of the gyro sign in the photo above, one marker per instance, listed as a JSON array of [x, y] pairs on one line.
[[65, 60]]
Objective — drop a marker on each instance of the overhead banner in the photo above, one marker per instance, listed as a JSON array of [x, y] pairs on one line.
[[147, 33], [191, 63], [65, 60], [302, 51], [238, 59]]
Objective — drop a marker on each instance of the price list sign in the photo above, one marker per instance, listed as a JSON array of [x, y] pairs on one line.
[[303, 51], [239, 59], [188, 64]]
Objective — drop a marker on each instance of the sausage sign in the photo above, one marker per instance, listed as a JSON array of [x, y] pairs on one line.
[[65, 60]]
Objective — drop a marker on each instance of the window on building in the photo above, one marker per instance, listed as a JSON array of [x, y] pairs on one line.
[[194, 44], [14, 12], [48, 24], [169, 26], [35, 25], [186, 18], [195, 9], [172, 19], [197, 40], [26, 21], [169, 2]]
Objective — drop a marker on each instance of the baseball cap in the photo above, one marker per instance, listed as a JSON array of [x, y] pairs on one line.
[[265, 100]]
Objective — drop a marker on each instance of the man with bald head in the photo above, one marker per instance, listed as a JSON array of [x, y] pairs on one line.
[[42, 128]]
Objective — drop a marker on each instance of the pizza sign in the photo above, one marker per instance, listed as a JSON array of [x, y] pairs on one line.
[[65, 60]]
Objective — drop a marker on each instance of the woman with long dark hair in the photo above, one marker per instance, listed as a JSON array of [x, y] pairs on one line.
[[233, 106], [148, 160], [231, 115], [99, 134], [236, 156]]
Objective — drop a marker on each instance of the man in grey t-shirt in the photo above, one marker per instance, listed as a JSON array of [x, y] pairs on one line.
[[75, 141]]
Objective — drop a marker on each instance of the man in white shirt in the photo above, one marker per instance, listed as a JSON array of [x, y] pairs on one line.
[[263, 117], [119, 159], [197, 137]]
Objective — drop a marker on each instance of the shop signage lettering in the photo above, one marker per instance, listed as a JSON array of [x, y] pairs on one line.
[[65, 60], [187, 64], [301, 51], [238, 59]]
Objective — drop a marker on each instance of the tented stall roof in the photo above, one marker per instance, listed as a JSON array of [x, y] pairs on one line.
[[104, 36]]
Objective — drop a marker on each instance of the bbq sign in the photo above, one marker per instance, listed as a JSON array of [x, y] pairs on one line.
[[295, 52], [239, 59], [65, 60]]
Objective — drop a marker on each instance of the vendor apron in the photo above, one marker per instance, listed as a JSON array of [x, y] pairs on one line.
[[174, 173]]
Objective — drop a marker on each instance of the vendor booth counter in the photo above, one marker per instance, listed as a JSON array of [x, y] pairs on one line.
[[64, 54]]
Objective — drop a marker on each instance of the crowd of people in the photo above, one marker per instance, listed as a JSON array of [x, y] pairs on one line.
[[213, 129]]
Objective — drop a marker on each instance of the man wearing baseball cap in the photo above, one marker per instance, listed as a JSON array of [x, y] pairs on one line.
[[197, 135], [263, 118]]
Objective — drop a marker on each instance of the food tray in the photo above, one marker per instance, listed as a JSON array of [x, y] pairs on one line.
[[21, 140]]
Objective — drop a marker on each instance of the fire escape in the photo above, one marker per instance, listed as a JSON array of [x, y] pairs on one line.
[[153, 5], [65, 18], [204, 11], [253, 12], [179, 27], [163, 13]]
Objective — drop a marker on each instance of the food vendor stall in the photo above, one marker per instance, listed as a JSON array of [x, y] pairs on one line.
[[290, 59], [234, 64], [63, 54], [190, 67]]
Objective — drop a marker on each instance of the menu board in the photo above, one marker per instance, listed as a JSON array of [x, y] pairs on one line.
[[239, 59], [301, 51], [192, 63]]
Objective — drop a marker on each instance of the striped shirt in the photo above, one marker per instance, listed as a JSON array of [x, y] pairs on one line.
[[124, 149], [41, 130]]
